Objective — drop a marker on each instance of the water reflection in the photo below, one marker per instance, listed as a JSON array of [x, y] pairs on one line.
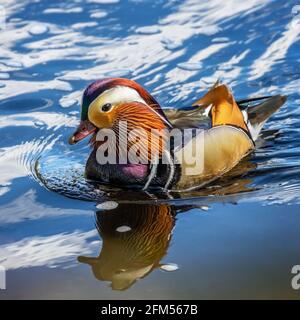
[[135, 239], [136, 236]]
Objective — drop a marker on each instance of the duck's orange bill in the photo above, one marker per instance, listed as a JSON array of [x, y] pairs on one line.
[[84, 129]]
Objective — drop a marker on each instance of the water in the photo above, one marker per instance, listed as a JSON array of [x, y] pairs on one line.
[[62, 238]]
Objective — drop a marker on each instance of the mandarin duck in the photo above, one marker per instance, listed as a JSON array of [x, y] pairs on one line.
[[226, 130]]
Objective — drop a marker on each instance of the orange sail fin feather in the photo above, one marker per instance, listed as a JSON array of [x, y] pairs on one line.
[[224, 109]]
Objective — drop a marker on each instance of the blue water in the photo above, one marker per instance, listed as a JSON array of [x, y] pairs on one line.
[[61, 238]]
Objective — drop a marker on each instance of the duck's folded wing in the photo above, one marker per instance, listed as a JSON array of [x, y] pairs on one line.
[[189, 117], [216, 151]]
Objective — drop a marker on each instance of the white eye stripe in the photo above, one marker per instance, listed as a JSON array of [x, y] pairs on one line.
[[120, 94]]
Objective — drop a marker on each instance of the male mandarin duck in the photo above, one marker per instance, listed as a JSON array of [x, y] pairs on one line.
[[231, 129]]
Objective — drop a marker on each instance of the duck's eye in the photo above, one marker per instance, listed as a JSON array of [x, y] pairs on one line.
[[106, 107]]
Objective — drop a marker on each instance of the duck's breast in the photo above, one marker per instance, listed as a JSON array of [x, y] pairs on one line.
[[124, 174]]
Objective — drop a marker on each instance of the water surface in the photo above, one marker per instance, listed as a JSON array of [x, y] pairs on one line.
[[60, 237]]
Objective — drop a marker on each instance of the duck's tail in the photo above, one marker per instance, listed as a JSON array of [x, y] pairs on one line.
[[257, 111]]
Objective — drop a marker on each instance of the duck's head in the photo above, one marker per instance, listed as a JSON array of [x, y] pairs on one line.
[[110, 100]]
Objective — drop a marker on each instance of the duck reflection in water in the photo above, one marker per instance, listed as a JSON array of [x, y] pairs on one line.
[[136, 236], [135, 239]]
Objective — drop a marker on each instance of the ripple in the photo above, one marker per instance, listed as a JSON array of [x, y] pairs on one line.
[[49, 121], [170, 267], [18, 161], [66, 102], [12, 63], [275, 52], [148, 30], [63, 10], [107, 205], [14, 88], [25, 104], [51, 251], [66, 178], [122, 229], [4, 75], [189, 66], [171, 45], [83, 25], [98, 14], [38, 29], [104, 1]]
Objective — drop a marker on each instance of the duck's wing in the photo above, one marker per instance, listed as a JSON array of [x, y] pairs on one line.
[[249, 114], [188, 117]]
